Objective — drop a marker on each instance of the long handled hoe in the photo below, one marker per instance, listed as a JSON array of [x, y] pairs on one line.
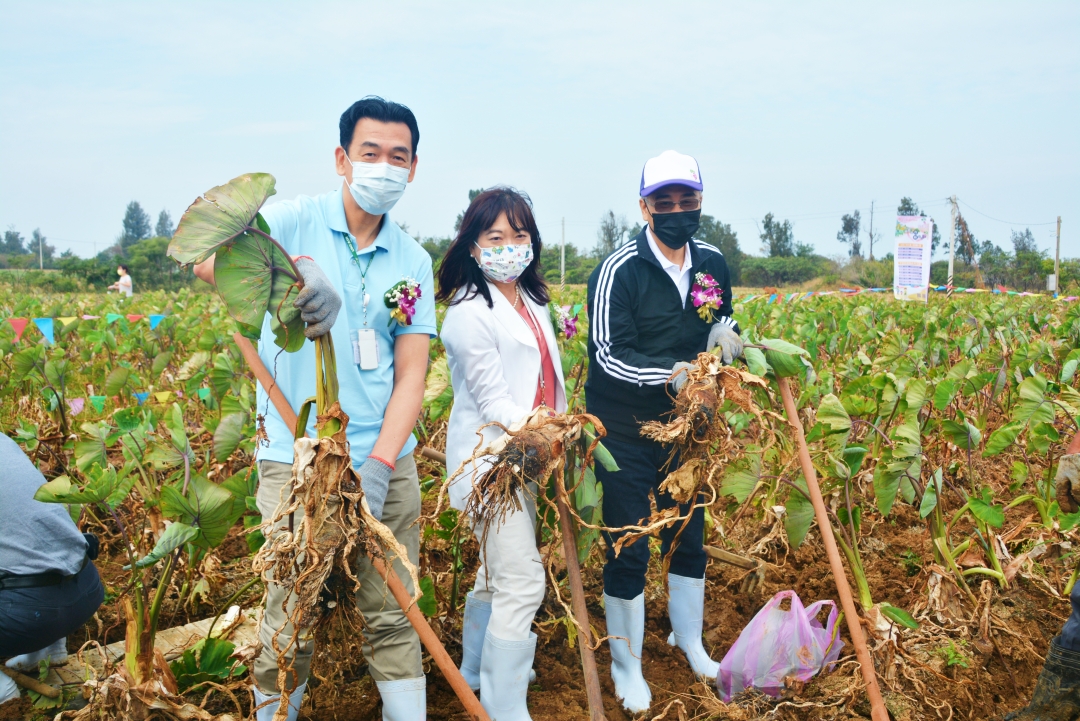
[[877, 706], [397, 588]]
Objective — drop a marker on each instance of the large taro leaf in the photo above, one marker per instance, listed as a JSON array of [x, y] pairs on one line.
[[219, 216], [95, 450], [212, 664], [783, 357], [253, 276], [227, 436], [100, 486], [207, 507], [799, 513], [175, 535]]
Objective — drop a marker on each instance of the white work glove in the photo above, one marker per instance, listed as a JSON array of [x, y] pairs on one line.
[[1067, 482], [723, 335], [318, 302], [679, 374]]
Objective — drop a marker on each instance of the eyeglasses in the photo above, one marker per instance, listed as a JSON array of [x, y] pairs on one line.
[[668, 206]]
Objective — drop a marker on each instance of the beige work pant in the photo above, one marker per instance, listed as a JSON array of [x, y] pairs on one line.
[[391, 646]]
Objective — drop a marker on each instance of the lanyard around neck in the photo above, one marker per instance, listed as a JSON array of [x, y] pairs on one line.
[[363, 271]]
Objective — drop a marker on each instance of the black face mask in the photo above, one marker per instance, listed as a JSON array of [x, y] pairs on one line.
[[675, 229]]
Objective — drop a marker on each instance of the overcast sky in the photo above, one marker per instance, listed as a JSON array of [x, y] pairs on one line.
[[807, 110]]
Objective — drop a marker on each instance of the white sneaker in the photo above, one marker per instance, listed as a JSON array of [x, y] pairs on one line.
[[8, 690], [686, 608], [626, 619], [56, 652]]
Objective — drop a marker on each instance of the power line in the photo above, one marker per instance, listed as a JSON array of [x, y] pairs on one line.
[[1006, 222]]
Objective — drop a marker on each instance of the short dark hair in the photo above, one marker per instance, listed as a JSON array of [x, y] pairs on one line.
[[121, 265], [459, 268], [376, 108]]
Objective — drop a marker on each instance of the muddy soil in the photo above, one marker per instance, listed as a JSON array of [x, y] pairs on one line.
[[921, 681]]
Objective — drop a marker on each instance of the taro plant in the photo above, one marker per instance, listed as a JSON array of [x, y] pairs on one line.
[[201, 514]]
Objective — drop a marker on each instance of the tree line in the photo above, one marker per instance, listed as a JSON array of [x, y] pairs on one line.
[[784, 260]]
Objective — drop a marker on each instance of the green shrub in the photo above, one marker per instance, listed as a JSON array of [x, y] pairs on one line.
[[783, 270]]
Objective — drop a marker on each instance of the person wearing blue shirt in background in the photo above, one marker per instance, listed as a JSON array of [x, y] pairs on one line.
[[350, 254]]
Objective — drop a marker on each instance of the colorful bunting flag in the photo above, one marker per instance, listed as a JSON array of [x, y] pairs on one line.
[[112, 317], [204, 393], [18, 325], [45, 325], [772, 298], [90, 317], [76, 405], [67, 319], [155, 319], [163, 396], [98, 402], [141, 397], [133, 318]]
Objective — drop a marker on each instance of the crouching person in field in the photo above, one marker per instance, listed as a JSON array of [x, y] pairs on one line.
[[504, 363], [645, 330], [349, 250], [49, 586]]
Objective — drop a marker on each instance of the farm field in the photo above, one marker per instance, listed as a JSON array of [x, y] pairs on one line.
[[934, 429]]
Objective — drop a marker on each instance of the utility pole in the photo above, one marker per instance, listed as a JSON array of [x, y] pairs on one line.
[[562, 258], [953, 212], [41, 252], [1057, 261], [871, 230]]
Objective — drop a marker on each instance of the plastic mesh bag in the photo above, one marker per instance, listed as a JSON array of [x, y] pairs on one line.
[[779, 644]]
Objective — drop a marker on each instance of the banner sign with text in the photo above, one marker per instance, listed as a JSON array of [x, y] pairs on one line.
[[911, 264]]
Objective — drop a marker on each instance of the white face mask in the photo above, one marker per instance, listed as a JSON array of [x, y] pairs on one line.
[[505, 263], [376, 187]]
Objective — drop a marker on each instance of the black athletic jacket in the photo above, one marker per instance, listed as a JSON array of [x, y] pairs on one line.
[[639, 328]]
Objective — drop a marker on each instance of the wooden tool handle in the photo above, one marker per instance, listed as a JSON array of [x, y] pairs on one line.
[[577, 599], [877, 705], [266, 380], [31, 683], [431, 641]]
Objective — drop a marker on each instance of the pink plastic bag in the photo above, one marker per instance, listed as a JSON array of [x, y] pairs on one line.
[[777, 644]]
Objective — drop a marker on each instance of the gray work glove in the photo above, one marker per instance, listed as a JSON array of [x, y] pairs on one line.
[[375, 481], [679, 375], [1067, 482], [723, 335], [318, 302]]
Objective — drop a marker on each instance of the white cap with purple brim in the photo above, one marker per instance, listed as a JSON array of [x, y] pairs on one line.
[[669, 168]]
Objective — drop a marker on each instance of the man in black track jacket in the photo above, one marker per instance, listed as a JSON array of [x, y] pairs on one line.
[[654, 304]]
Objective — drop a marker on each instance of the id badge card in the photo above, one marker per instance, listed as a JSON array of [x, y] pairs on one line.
[[365, 349]]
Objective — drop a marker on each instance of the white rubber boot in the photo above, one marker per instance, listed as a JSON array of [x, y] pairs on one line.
[[404, 700], [504, 677], [8, 690], [266, 713], [473, 629], [626, 619], [56, 652], [686, 608]]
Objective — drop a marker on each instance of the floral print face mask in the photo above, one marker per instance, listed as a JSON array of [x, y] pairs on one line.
[[505, 263]]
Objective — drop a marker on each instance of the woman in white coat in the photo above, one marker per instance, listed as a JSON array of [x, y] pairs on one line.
[[504, 363]]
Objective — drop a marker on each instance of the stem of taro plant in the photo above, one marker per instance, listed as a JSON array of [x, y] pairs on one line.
[[1072, 579], [326, 382], [852, 555]]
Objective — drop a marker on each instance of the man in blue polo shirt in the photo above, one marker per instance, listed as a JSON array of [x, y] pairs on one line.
[[347, 249]]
